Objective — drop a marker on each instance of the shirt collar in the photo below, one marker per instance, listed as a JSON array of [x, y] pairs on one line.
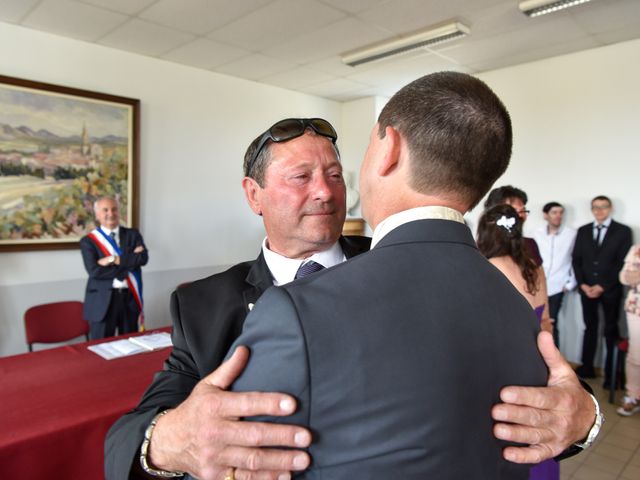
[[284, 269], [108, 231], [547, 232], [418, 213], [606, 223]]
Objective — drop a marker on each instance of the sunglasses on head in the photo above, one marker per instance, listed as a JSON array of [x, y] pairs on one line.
[[291, 128]]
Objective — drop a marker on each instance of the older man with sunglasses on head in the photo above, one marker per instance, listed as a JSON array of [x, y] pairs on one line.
[[187, 423]]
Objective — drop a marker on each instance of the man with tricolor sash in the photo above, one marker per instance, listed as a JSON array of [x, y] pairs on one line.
[[113, 256]]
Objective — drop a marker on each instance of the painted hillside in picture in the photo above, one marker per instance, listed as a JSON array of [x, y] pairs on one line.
[[58, 154]]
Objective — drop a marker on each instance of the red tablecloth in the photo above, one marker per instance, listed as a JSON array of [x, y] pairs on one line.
[[57, 405]]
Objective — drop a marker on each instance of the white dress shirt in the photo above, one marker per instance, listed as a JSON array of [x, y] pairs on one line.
[[605, 226], [116, 283], [555, 250], [283, 269]]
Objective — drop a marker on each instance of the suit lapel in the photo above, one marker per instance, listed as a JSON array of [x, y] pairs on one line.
[[608, 233], [259, 277], [258, 280]]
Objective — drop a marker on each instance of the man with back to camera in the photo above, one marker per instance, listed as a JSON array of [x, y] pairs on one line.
[[303, 212], [555, 242], [413, 340], [113, 256], [598, 257], [517, 198]]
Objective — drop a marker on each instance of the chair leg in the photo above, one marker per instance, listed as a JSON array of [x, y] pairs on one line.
[[30, 347]]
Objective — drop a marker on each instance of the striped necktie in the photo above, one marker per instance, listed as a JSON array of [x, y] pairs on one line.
[[307, 269]]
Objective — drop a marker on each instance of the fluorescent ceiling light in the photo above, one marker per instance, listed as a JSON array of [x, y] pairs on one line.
[[397, 46], [535, 8]]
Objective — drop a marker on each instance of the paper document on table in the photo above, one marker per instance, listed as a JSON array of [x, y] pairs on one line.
[[132, 345], [153, 341]]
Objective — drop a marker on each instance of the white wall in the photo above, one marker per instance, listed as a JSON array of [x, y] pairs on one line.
[[195, 127]]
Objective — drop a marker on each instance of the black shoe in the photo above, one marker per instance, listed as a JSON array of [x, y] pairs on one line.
[[585, 372]]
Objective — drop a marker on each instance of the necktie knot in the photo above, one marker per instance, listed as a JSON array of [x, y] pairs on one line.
[[308, 268], [113, 237]]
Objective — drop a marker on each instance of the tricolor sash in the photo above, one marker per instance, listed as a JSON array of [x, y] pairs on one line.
[[108, 247]]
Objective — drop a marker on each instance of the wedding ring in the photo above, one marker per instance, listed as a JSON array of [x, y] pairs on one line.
[[231, 475]]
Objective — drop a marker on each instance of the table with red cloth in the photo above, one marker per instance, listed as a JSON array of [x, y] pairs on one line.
[[57, 405]]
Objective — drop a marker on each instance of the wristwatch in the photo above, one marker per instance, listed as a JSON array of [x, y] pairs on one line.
[[111, 259], [595, 429]]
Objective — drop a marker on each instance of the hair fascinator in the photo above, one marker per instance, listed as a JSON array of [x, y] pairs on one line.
[[506, 222]]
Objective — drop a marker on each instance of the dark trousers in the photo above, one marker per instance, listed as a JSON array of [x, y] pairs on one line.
[[555, 302], [119, 316], [611, 307]]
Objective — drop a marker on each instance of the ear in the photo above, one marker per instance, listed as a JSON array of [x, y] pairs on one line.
[[389, 157], [252, 192]]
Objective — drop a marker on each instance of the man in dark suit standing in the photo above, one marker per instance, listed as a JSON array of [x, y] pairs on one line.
[[112, 256], [293, 180], [598, 257]]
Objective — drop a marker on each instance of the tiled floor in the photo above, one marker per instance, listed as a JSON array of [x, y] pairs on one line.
[[616, 453]]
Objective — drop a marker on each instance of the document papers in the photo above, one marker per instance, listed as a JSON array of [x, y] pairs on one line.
[[131, 345]]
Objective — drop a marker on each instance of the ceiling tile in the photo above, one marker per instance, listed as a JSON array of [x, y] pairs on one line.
[[340, 36], [552, 33], [296, 78], [255, 66], [129, 7], [620, 35], [199, 16], [354, 6], [620, 14], [337, 86], [13, 10], [73, 19], [405, 71], [297, 43], [334, 66], [146, 38], [203, 53], [403, 16], [523, 56], [276, 23]]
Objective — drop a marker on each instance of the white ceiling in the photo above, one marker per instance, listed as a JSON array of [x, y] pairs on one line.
[[296, 44]]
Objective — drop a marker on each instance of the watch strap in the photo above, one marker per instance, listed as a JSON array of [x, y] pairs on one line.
[[595, 429]]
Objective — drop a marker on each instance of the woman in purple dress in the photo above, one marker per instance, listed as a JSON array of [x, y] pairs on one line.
[[500, 240]]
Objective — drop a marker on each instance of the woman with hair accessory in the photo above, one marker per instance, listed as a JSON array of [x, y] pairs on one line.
[[500, 240], [630, 275]]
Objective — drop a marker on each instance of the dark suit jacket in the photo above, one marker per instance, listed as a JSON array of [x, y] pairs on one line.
[[208, 315], [601, 265], [397, 356], [98, 292]]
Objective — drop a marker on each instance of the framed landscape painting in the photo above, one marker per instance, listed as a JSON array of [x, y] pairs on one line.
[[61, 149]]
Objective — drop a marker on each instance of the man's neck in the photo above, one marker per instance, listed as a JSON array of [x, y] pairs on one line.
[[553, 230]]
